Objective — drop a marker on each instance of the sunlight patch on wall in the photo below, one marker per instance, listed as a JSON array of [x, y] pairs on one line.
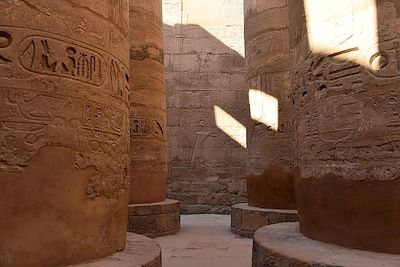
[[344, 28], [264, 108], [230, 126]]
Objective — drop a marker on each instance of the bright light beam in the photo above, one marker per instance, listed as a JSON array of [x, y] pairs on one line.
[[264, 108], [342, 25], [230, 126]]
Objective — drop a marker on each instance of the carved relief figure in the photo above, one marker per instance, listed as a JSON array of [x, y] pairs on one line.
[[201, 137]]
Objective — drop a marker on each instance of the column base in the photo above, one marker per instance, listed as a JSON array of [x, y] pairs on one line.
[[245, 219], [284, 245], [140, 251], [155, 219]]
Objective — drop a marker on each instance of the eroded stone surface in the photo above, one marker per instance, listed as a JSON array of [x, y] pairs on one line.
[[148, 103], [155, 219], [245, 219], [284, 245], [274, 189], [64, 131], [346, 78]]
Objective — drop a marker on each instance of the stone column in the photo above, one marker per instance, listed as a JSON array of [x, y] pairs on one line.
[[147, 103], [345, 57], [148, 123], [64, 130], [270, 132], [270, 136]]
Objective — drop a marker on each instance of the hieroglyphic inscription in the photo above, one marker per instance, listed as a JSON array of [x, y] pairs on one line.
[[342, 117], [385, 63], [50, 56], [119, 77], [109, 186], [5, 41], [97, 132], [338, 118], [321, 73], [148, 142], [104, 143], [147, 128], [33, 118]]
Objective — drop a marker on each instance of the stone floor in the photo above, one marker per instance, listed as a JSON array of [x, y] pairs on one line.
[[205, 241]]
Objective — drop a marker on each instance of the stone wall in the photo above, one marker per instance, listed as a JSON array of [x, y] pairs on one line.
[[205, 77]]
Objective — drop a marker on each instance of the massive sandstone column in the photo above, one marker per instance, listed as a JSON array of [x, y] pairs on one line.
[[149, 213], [147, 103], [346, 67], [270, 146], [63, 130], [270, 132]]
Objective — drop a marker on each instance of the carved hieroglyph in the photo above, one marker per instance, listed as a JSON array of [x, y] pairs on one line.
[[64, 130], [346, 77], [147, 103]]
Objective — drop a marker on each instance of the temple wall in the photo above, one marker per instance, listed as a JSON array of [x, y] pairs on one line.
[[205, 74]]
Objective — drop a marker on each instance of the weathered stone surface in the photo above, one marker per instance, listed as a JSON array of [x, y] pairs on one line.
[[270, 139], [155, 219], [139, 251], [274, 189], [346, 78], [283, 245], [147, 103], [205, 68], [245, 219], [64, 131]]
